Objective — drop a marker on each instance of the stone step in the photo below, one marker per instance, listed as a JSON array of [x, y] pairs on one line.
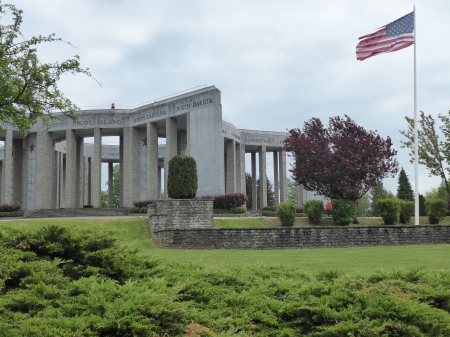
[[77, 212]]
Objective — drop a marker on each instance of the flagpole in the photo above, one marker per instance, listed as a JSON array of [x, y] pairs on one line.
[[416, 147]]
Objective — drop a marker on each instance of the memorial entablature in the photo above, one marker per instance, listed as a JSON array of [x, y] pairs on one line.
[[53, 167]]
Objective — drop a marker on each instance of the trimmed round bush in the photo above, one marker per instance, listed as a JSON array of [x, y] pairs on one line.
[[182, 179], [389, 210], [436, 210], [406, 210], [314, 211], [286, 213], [344, 211]]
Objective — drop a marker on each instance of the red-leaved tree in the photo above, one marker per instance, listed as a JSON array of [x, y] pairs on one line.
[[341, 161]]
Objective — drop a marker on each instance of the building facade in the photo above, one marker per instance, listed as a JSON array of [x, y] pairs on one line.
[[53, 167]]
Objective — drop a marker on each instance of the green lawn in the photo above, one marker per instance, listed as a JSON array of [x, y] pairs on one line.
[[362, 260]]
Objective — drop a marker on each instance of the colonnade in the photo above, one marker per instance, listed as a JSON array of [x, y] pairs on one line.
[[54, 167]]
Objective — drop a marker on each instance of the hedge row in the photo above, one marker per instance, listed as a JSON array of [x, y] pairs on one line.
[[143, 203], [274, 208], [9, 208], [227, 201]]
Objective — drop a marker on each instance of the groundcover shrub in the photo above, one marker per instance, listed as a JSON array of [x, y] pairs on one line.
[[40, 296]]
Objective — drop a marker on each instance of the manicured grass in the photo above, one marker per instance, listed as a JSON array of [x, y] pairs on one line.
[[362, 260]]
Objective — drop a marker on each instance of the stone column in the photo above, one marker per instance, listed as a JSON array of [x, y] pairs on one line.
[[8, 169], [71, 169], [87, 181], [121, 163], [63, 182], [110, 184], [230, 169], [152, 162], [262, 177], [171, 147], [45, 171], [17, 173], [96, 184], [79, 198], [131, 166], [254, 184], [283, 176], [182, 142], [301, 195], [240, 168], [1, 181], [58, 192], [276, 177]]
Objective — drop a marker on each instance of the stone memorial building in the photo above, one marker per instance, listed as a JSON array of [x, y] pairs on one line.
[[53, 167]]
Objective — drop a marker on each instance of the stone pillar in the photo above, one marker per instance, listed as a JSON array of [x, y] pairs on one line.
[[121, 163], [262, 177], [182, 142], [79, 198], [58, 192], [71, 169], [152, 162], [230, 169], [283, 176], [96, 181], [301, 195], [171, 147], [17, 173], [254, 183], [276, 177], [25, 173], [131, 166], [240, 168], [89, 181], [110, 184], [63, 182], [8, 169], [1, 181], [45, 171]]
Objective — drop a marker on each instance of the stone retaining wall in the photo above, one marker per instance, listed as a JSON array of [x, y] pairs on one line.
[[300, 237], [176, 214]]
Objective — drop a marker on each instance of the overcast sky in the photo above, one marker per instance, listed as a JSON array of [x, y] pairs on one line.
[[276, 63]]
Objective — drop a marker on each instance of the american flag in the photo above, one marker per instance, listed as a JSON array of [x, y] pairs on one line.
[[391, 37]]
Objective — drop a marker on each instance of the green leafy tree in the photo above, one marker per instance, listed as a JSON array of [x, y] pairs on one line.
[[432, 151], [378, 192], [28, 88], [249, 191], [363, 206], [104, 199], [115, 187], [404, 189], [292, 190]]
